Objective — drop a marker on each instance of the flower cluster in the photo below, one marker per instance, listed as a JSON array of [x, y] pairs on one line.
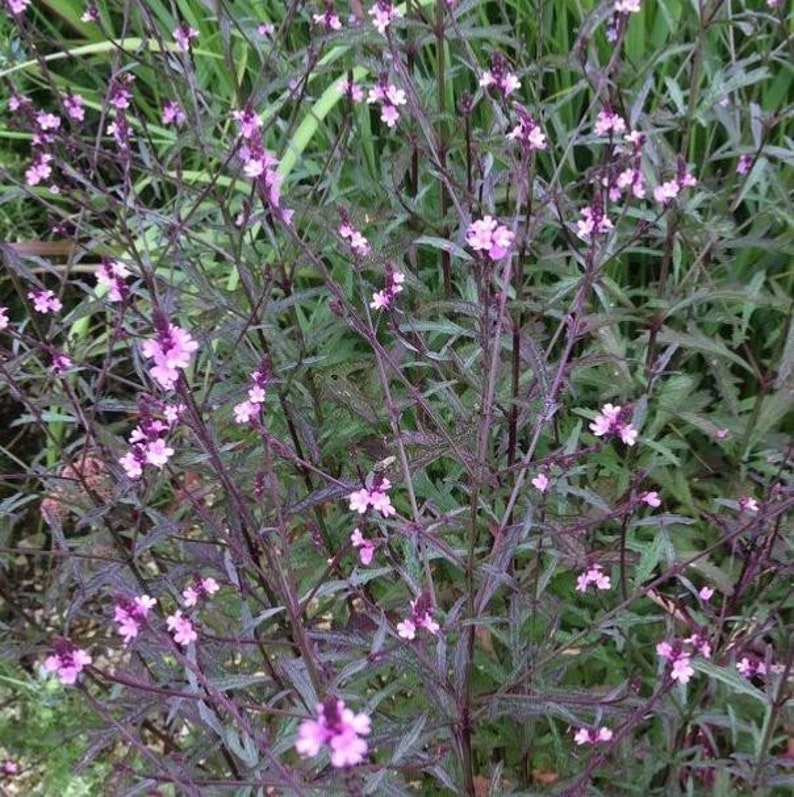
[[375, 496], [45, 301], [593, 735], [498, 76], [527, 132], [147, 442], [593, 575], [258, 164], [183, 35], [200, 588], [755, 667], [383, 13], [382, 300], [666, 192], [16, 7], [67, 662], [181, 628], [173, 114], [487, 235], [365, 547], [593, 222], [390, 98], [171, 351], [250, 408], [421, 617], [614, 420], [357, 242], [131, 614], [338, 728], [329, 19], [609, 123], [111, 275], [680, 653], [60, 362]]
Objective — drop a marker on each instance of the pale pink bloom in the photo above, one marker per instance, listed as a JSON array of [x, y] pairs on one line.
[[248, 122], [47, 121], [722, 434], [183, 35], [173, 113], [541, 482], [40, 170], [381, 502], [594, 575], [358, 243], [608, 122], [158, 453], [593, 221], [682, 670], [133, 462], [605, 420], [9, 767], [382, 300], [366, 548], [111, 275], [16, 7], [705, 594], [487, 235], [45, 301], [499, 77], [592, 736], [245, 411], [266, 29], [256, 394], [352, 90], [130, 615], [389, 115], [3, 318], [701, 644], [406, 629], [337, 727], [527, 131], [201, 588], [181, 628], [628, 434], [74, 107], [627, 6], [90, 15], [665, 650], [328, 19], [171, 351], [61, 362], [359, 501], [383, 14], [651, 498], [666, 192], [67, 662], [748, 504]]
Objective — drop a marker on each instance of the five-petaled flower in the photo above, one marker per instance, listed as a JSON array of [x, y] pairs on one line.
[[181, 628]]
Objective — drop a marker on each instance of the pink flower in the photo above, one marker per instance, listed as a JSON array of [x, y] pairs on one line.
[[627, 6], [651, 498], [421, 617], [541, 482], [183, 35], [337, 727], [366, 548], [383, 14], [74, 105], [612, 420], [358, 243], [201, 588], [130, 615], [382, 300], [608, 122], [680, 660], [111, 275], [594, 575], [329, 19], [593, 736], [375, 497], [67, 662], [45, 301], [60, 363], [593, 221], [390, 97], [171, 350], [40, 170], [352, 91], [3, 318], [706, 594], [133, 462], [406, 629], [527, 131], [487, 235], [181, 628], [90, 15], [16, 7], [248, 122], [158, 453], [245, 411], [748, 504], [173, 113], [498, 76]]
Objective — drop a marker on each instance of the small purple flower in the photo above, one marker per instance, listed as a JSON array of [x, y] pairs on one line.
[[67, 662], [338, 728]]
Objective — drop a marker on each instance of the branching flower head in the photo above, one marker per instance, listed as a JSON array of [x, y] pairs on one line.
[[67, 662], [338, 728], [171, 351], [614, 420]]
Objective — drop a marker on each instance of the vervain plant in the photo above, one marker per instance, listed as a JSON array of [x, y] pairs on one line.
[[398, 398]]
